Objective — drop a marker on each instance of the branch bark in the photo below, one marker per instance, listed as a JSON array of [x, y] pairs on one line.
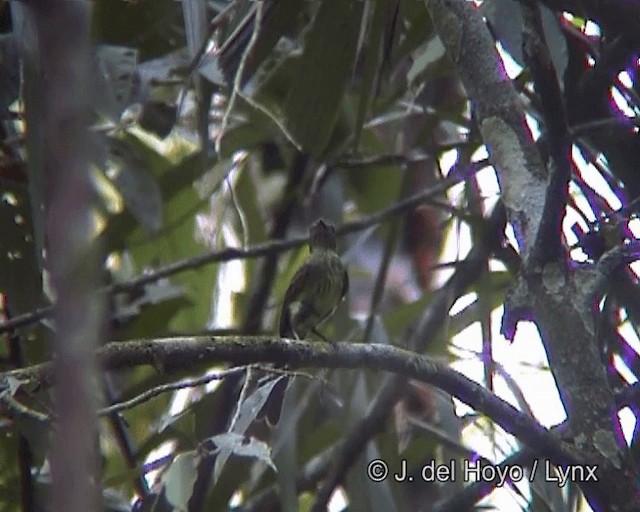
[[549, 291], [183, 352], [58, 102]]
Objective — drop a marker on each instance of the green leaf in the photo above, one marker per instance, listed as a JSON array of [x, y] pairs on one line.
[[179, 478], [174, 242], [372, 59], [139, 189], [428, 58], [400, 318], [324, 70], [232, 443]]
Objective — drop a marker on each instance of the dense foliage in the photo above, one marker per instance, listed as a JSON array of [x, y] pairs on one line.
[[480, 164]]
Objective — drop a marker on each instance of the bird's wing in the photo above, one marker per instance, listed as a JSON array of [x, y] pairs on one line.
[[293, 293]]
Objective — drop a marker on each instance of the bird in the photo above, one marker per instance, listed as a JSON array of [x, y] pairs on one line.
[[315, 291]]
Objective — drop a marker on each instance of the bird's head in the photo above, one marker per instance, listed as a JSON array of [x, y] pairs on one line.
[[322, 236]]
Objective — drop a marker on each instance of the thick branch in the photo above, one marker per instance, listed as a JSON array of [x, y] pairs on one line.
[[182, 352], [555, 296], [548, 246], [498, 113], [59, 102], [431, 321]]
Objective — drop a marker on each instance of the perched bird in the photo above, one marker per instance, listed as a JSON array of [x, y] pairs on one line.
[[313, 295]]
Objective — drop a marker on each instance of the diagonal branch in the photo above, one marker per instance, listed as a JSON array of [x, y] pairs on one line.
[[181, 352], [257, 251], [555, 295], [548, 246], [431, 322]]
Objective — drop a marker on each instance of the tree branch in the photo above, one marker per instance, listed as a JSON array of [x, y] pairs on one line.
[[548, 246], [430, 322], [257, 251], [183, 352], [60, 104], [555, 296]]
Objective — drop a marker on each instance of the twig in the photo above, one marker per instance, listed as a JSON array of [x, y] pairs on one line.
[[178, 353], [312, 472], [19, 410], [465, 499], [233, 253], [237, 80], [124, 439], [430, 323], [171, 386], [389, 248], [358, 437], [371, 161], [198, 57]]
